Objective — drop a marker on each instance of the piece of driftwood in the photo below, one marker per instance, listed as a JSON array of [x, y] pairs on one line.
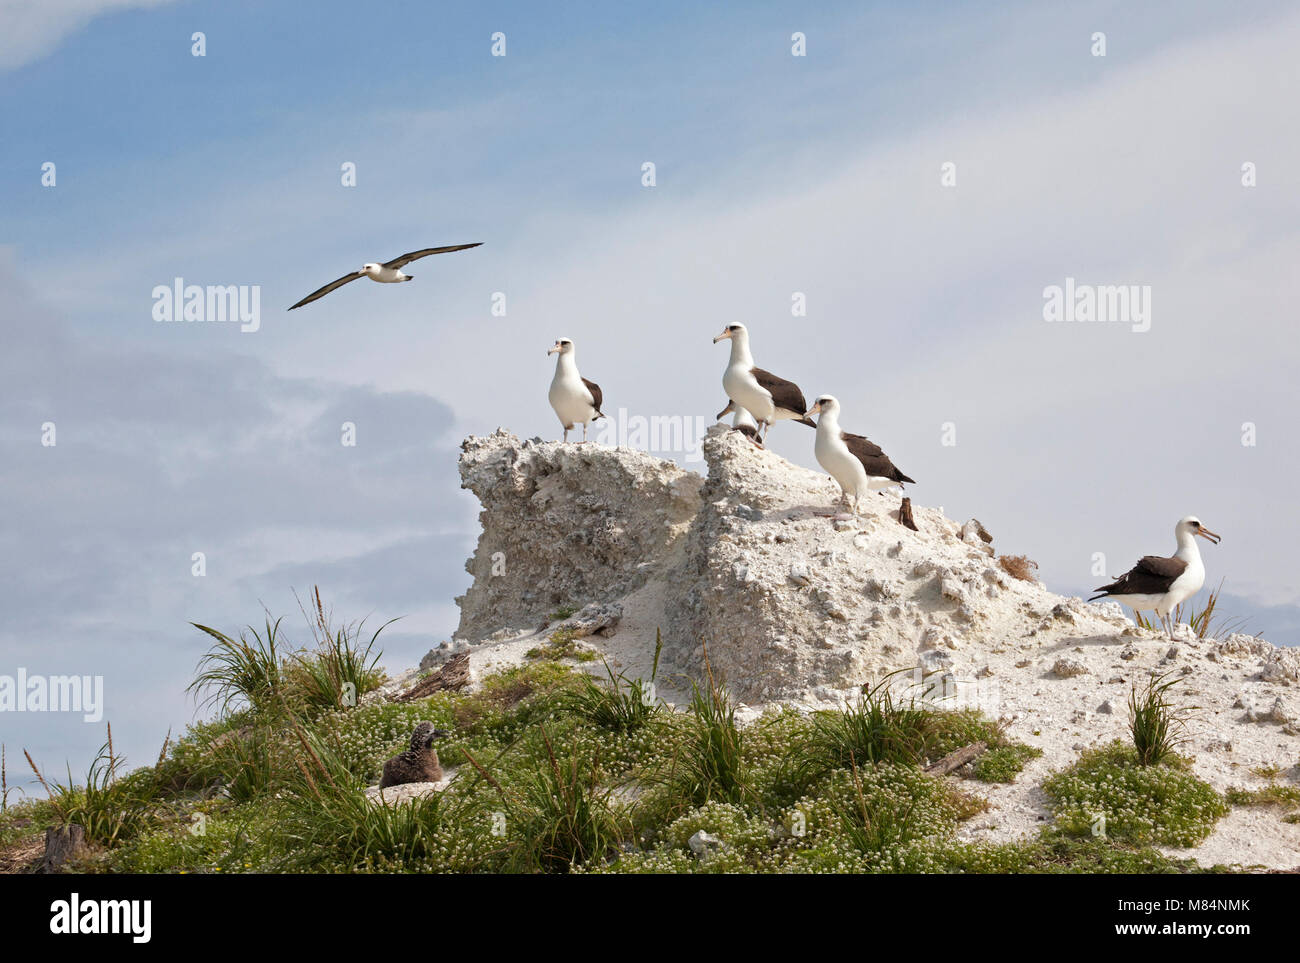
[[452, 676], [956, 759], [905, 515], [63, 844]]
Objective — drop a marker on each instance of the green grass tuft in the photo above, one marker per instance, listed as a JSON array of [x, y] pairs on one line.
[[1155, 722], [624, 705], [877, 728]]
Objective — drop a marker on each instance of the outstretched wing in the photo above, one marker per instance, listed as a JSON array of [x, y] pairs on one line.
[[785, 394], [406, 259], [873, 458], [315, 295], [596, 396], [1152, 575]]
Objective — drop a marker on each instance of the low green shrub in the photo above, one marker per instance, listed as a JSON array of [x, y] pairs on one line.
[[1109, 792]]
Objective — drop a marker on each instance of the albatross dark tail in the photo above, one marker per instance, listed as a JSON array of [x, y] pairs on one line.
[[1109, 589]]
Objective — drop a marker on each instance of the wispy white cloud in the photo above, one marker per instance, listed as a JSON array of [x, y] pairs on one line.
[[30, 29]]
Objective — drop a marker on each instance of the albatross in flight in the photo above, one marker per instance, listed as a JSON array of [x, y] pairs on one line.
[[390, 272], [1162, 584], [574, 398], [764, 395], [857, 464]]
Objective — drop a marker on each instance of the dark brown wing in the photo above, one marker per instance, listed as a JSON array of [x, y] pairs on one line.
[[1153, 575], [785, 394], [596, 396], [328, 288], [406, 259], [873, 459]]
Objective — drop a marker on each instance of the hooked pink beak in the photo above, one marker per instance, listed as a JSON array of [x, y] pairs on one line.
[[1208, 535], [553, 350], [725, 334]]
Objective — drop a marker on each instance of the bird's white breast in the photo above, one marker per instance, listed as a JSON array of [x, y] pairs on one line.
[[742, 387], [833, 455], [1187, 584], [385, 275], [569, 396]]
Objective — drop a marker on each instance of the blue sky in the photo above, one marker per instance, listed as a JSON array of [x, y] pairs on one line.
[[775, 174]]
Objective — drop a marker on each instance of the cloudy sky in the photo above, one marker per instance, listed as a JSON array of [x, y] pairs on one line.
[[774, 174]]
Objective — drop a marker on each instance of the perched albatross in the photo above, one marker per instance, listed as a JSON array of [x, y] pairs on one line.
[[856, 463], [764, 395], [574, 398], [1162, 584], [390, 272], [741, 421]]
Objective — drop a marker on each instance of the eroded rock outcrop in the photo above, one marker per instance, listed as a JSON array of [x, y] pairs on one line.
[[799, 605], [566, 525], [751, 566]]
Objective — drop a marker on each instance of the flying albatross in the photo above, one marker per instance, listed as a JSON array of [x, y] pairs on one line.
[[857, 464], [574, 398], [1162, 584], [764, 395], [741, 421], [390, 272]]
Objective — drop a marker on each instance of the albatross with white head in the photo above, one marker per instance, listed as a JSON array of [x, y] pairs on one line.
[[575, 399], [1161, 584], [765, 396]]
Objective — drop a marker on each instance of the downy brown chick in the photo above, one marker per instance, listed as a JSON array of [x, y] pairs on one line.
[[419, 763]]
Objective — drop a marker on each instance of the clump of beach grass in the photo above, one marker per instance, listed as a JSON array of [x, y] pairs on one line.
[[709, 763], [1155, 722], [341, 666], [109, 805], [622, 705], [877, 727]]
